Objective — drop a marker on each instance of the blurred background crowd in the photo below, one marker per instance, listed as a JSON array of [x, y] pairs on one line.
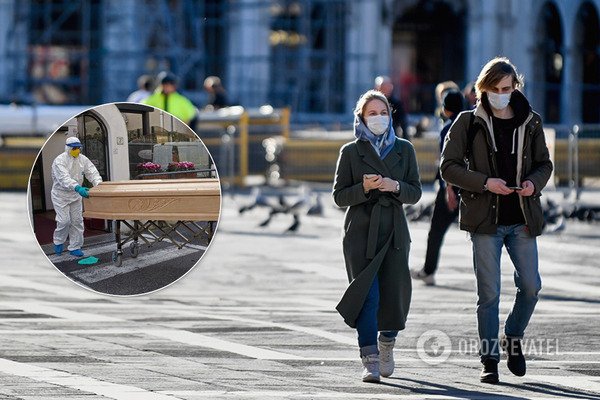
[[293, 69]]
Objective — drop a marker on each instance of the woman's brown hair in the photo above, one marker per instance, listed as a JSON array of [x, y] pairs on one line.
[[367, 97]]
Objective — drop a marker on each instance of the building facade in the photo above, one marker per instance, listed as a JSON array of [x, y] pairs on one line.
[[315, 56]]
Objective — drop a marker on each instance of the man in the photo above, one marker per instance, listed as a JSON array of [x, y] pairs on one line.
[[145, 85], [507, 167], [470, 95], [445, 209], [68, 170], [217, 97], [167, 98], [440, 91], [399, 118]]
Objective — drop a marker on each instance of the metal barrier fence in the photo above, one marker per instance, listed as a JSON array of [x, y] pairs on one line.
[[234, 137], [312, 155], [246, 142]]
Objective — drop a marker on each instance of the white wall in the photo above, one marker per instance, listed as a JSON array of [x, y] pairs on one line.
[[118, 150]]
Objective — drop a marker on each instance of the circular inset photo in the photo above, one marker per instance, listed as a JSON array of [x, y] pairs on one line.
[[124, 199]]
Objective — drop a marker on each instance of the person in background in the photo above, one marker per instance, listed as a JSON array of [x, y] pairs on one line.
[[167, 98], [400, 119], [145, 86], [375, 175], [470, 95], [217, 97], [68, 171], [445, 209], [440, 91], [498, 157]]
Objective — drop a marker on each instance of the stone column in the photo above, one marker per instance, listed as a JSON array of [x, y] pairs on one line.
[[248, 70], [482, 36], [124, 44], [367, 54], [13, 47]]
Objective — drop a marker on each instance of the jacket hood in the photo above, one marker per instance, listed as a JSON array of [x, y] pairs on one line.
[[518, 103]]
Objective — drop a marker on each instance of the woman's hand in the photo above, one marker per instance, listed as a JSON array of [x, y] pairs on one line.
[[388, 185], [371, 181]]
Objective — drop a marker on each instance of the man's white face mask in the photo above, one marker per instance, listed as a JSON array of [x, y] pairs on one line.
[[499, 101], [378, 124]]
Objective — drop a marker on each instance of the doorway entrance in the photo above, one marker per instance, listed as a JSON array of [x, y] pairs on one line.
[[428, 47], [93, 135]]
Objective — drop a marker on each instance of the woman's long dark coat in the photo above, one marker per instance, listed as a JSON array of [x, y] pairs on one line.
[[376, 237]]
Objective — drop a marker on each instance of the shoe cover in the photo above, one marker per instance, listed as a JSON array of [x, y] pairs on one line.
[[58, 249], [91, 260], [76, 253]]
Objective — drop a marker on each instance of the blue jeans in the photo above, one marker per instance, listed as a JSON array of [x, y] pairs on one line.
[[487, 249], [366, 324]]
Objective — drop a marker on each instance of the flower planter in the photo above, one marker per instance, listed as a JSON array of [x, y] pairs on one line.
[[187, 175]]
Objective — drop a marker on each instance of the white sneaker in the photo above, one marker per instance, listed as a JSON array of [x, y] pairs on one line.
[[420, 274], [371, 370], [386, 358]]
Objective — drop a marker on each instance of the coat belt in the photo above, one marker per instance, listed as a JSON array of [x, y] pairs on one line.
[[383, 201]]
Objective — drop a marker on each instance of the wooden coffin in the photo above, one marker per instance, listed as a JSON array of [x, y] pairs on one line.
[[157, 199]]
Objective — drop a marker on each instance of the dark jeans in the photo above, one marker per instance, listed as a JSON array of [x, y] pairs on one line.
[[366, 324], [440, 222]]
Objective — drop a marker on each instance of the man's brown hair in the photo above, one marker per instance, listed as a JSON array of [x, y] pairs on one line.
[[493, 72]]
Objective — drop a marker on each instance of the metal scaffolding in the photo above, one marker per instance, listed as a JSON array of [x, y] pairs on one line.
[[92, 51]]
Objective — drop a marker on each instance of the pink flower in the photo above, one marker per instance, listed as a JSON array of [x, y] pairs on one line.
[[148, 167], [181, 166]]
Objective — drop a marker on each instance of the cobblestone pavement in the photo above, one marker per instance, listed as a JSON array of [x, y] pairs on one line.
[[256, 320]]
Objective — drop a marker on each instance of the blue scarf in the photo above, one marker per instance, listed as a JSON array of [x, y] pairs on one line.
[[382, 144]]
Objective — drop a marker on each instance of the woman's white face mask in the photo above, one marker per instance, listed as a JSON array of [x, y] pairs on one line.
[[499, 101], [378, 124]]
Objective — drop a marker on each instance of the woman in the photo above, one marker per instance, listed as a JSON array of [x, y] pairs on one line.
[[375, 175]]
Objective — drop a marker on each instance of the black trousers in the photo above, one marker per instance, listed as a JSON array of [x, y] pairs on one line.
[[440, 222]]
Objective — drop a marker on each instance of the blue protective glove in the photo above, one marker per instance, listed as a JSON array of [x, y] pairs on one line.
[[83, 191]]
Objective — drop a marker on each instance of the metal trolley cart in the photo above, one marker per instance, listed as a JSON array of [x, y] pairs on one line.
[[155, 231]]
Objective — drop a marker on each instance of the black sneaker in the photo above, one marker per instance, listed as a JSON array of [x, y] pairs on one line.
[[516, 359], [489, 373]]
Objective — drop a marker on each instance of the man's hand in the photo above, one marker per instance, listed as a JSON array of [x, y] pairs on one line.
[[83, 191], [451, 200], [388, 185], [498, 186], [528, 189], [371, 181]]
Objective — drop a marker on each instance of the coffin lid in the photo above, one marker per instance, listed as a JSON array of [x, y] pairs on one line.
[[157, 187]]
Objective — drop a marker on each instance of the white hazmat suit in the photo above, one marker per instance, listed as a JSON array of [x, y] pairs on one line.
[[67, 173]]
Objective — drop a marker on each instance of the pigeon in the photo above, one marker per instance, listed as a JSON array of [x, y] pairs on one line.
[[316, 209], [260, 200]]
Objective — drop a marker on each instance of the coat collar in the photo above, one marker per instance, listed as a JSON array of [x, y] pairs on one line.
[[369, 156]]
